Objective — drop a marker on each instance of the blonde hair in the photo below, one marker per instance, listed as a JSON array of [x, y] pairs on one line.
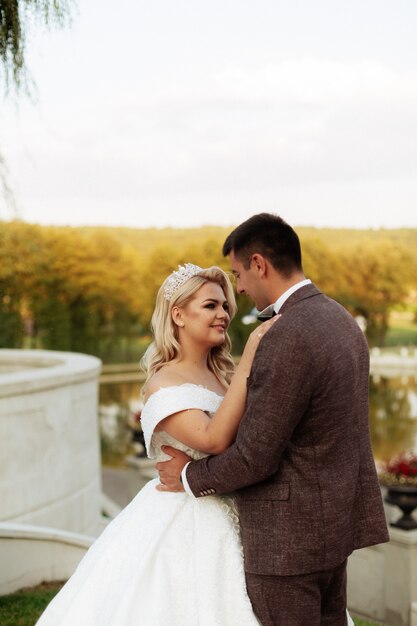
[[165, 346]]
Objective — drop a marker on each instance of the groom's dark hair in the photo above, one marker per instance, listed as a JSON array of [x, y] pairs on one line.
[[270, 236]]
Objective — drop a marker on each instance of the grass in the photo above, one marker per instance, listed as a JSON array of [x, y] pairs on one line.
[[401, 336], [24, 607], [402, 329]]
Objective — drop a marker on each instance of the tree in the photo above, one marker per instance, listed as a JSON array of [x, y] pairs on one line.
[[86, 292], [323, 265], [376, 278], [16, 17], [67, 289], [21, 252]]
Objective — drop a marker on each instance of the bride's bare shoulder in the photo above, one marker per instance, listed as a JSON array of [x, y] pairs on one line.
[[165, 377]]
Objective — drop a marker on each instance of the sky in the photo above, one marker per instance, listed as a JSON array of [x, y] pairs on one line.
[[187, 113]]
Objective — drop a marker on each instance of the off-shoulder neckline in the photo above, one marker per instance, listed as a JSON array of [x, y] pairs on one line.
[[185, 385]]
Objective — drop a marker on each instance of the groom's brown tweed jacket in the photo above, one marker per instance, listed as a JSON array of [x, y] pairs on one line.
[[302, 464]]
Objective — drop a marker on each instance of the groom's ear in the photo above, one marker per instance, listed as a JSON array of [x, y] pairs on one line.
[[259, 263]]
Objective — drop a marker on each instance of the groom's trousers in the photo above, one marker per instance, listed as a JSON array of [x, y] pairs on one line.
[[316, 599]]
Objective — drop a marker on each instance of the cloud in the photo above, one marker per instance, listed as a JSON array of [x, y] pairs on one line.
[[295, 123], [227, 137]]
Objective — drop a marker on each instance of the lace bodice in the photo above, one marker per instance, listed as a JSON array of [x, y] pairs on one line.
[[169, 400]]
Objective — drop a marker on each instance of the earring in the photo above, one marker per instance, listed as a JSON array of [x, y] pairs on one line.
[[181, 324]]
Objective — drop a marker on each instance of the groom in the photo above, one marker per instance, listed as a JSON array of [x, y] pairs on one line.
[[301, 465]]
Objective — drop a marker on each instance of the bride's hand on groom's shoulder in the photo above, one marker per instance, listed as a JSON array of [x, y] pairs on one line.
[[253, 341], [245, 363], [261, 330]]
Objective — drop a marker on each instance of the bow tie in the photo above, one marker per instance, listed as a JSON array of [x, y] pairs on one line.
[[267, 313]]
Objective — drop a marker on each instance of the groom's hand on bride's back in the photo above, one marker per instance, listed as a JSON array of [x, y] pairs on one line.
[[170, 471]]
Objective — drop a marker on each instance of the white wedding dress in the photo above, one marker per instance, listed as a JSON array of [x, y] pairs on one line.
[[167, 559]]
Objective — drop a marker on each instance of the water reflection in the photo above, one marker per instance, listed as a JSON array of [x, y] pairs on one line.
[[119, 404], [393, 416]]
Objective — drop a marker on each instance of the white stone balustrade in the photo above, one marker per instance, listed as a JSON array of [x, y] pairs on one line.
[[49, 441], [382, 580], [392, 362], [30, 555]]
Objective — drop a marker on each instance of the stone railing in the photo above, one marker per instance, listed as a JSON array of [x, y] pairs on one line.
[[382, 580], [30, 555], [49, 440], [393, 362]]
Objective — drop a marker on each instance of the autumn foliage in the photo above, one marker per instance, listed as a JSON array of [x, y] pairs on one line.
[[93, 289]]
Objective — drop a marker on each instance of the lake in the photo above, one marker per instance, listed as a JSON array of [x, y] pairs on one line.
[[393, 414]]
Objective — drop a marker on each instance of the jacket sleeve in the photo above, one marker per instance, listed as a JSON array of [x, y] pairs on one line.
[[279, 392]]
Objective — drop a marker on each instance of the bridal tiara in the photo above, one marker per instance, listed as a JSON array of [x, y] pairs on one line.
[[179, 277]]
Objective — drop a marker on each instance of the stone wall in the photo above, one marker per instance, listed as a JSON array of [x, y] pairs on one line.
[[49, 440], [30, 555], [382, 580]]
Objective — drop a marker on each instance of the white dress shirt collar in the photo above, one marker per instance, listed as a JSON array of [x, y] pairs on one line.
[[283, 297]]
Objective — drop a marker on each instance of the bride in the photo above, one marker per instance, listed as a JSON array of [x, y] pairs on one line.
[[169, 559]]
